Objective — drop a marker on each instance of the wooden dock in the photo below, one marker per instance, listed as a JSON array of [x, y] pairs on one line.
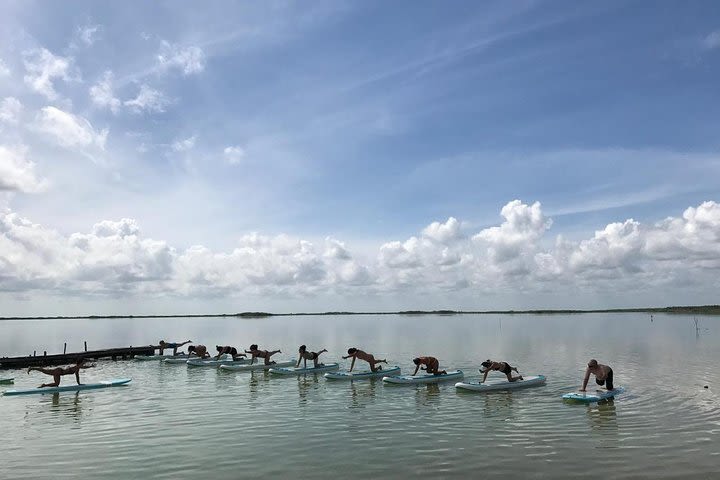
[[122, 353]]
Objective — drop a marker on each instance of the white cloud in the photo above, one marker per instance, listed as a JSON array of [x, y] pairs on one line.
[[10, 109], [87, 34], [4, 70], [234, 154], [43, 68], [148, 100], [68, 130], [188, 59], [184, 145], [443, 232], [712, 40], [17, 173], [102, 93]]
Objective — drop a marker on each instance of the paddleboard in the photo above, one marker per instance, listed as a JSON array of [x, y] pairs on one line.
[[362, 374], [145, 358], [424, 378], [181, 360], [7, 380], [593, 395], [215, 363], [258, 366], [70, 388], [299, 371], [501, 384]]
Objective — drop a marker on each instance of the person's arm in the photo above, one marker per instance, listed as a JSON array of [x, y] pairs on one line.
[[77, 376], [485, 374], [252, 360], [585, 380], [416, 369], [299, 360], [352, 364], [184, 343]]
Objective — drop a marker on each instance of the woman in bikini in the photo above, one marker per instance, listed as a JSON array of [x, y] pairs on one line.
[[305, 356], [356, 353], [503, 367], [264, 354], [60, 371], [432, 365]]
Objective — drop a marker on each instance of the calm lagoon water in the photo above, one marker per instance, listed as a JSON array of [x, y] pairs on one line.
[[178, 422]]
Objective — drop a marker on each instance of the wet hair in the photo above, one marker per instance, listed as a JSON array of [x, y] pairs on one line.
[[191, 348], [486, 363], [416, 361], [161, 342], [592, 363], [302, 348], [218, 348], [253, 346], [352, 350]]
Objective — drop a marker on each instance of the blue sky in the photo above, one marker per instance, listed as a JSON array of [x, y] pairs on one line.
[[359, 123]]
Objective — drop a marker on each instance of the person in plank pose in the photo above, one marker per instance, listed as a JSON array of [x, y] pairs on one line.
[[503, 367], [198, 350], [305, 356], [162, 345], [60, 371], [261, 354], [431, 365], [356, 353], [603, 375], [228, 350]]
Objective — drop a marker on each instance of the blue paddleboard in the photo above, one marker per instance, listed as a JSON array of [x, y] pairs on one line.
[[362, 374], [70, 388], [424, 378], [593, 395], [324, 367]]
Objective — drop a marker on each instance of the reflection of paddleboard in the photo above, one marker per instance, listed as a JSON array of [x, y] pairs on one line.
[[258, 366], [145, 358], [7, 380], [424, 378], [501, 384], [362, 374], [215, 363], [593, 396], [324, 367], [70, 388]]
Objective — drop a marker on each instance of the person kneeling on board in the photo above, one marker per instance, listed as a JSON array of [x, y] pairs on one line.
[[603, 375], [356, 353], [227, 350], [60, 371], [198, 350], [503, 367], [431, 365], [261, 354], [305, 356], [162, 345]]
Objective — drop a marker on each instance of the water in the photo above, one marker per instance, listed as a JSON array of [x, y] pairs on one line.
[[179, 422]]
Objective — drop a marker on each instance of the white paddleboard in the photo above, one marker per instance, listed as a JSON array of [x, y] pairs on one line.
[[323, 367], [363, 374], [215, 363], [181, 360], [424, 378], [593, 395], [7, 380], [70, 388], [145, 358], [501, 384], [258, 366]]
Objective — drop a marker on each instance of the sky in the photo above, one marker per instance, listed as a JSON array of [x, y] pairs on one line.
[[178, 157]]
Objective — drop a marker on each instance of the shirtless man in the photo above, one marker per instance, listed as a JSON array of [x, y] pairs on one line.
[[58, 372], [431, 365], [603, 375], [261, 354], [198, 350], [227, 350], [503, 367], [162, 345], [305, 356], [356, 353]]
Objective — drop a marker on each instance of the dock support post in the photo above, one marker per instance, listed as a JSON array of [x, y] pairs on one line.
[[86, 345], [64, 348]]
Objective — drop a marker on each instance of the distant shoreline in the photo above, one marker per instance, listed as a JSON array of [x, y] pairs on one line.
[[696, 310]]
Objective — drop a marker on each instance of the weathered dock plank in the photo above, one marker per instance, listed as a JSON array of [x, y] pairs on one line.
[[121, 353]]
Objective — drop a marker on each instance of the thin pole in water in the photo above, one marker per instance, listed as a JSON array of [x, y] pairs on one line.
[[64, 348], [86, 345]]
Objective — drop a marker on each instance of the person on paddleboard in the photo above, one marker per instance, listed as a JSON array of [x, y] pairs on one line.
[[431, 365], [60, 371], [503, 367], [261, 354], [198, 350], [162, 345], [603, 375], [227, 350], [305, 356], [357, 353]]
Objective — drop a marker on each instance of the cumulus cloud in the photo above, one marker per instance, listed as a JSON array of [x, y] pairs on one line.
[[68, 130], [42, 68], [188, 59], [10, 109], [4, 70], [184, 145], [114, 258], [233, 154], [102, 94], [712, 40], [148, 100], [17, 173]]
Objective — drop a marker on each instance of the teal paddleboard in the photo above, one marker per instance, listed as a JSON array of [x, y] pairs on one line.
[[323, 367], [146, 358], [363, 374], [496, 384], [593, 395], [215, 363], [424, 378], [6, 380], [69, 388], [246, 367]]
